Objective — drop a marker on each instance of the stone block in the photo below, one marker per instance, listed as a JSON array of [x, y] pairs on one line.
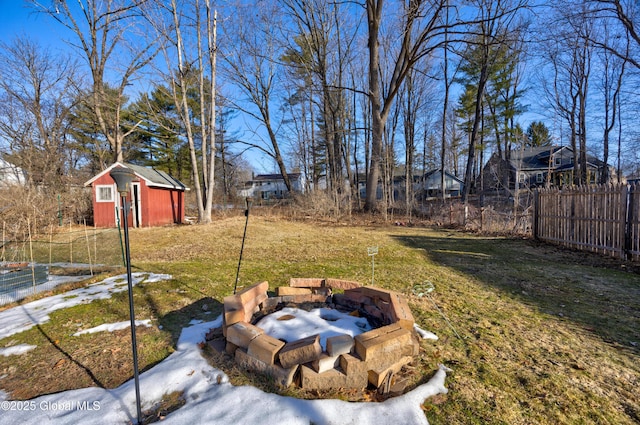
[[265, 348], [382, 341], [282, 376], [270, 304], [230, 348], [242, 333], [288, 290], [352, 365], [325, 290], [217, 345], [252, 292], [305, 282], [339, 344], [344, 301], [357, 295], [325, 362], [374, 311], [398, 311], [341, 284], [308, 298], [332, 378], [301, 351], [377, 377], [233, 311], [375, 293]]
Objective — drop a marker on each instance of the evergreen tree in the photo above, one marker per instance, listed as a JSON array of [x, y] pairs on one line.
[[538, 135]]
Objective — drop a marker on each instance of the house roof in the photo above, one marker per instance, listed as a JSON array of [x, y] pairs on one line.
[[271, 177], [537, 158], [151, 176], [446, 174]]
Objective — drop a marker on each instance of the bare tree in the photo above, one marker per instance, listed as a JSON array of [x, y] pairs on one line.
[[570, 56], [111, 37], [249, 63], [627, 14], [611, 86], [181, 32], [37, 92], [420, 29]]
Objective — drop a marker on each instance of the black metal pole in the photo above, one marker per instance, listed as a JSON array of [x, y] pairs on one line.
[[244, 235], [134, 347]]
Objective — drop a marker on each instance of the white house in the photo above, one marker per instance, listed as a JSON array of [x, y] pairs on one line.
[[271, 187], [432, 184], [10, 174]]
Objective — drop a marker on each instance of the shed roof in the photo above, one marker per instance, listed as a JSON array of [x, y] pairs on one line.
[[152, 177]]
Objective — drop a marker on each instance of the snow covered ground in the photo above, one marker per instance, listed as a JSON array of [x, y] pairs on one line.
[[210, 398]]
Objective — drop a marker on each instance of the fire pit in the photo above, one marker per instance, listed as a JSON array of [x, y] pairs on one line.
[[372, 350]]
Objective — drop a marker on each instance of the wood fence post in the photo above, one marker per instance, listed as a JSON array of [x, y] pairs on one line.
[[534, 218], [627, 217]]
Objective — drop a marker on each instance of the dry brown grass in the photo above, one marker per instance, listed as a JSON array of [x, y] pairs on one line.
[[547, 336]]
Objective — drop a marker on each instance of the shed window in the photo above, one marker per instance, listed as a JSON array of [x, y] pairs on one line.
[[539, 178], [104, 193]]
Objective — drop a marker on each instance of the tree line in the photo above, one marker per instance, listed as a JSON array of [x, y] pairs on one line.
[[344, 93]]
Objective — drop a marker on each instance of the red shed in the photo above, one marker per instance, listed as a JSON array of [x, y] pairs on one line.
[[156, 198]]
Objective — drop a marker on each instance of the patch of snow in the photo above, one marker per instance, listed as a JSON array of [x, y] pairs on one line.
[[110, 327], [16, 349], [425, 334], [210, 398], [19, 319], [324, 321]]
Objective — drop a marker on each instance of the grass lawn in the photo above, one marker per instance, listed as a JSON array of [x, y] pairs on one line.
[[536, 334]]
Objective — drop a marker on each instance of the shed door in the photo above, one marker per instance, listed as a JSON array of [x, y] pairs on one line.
[[136, 205]]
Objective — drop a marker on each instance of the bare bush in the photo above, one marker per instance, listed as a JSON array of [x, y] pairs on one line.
[[29, 212]]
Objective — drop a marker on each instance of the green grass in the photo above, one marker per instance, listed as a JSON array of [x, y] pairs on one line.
[[546, 336]]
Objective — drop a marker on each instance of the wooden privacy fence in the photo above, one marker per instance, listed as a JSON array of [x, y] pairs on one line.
[[603, 219]]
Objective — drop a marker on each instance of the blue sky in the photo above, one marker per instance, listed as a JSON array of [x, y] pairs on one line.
[[18, 19]]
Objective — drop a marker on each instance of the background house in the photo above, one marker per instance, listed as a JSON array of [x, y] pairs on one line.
[[431, 186], [10, 174], [157, 198], [265, 188], [535, 166]]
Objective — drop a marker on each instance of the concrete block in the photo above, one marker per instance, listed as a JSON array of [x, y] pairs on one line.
[[304, 282], [326, 291], [344, 301], [233, 311], [230, 348], [252, 292], [309, 298], [242, 333], [265, 348], [341, 284], [302, 351], [271, 303], [357, 295], [377, 377], [325, 363], [339, 344], [377, 293], [288, 290], [332, 378], [384, 340], [399, 311], [352, 365], [282, 376], [217, 345]]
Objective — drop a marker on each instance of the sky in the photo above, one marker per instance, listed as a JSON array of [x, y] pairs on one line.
[[210, 398], [17, 19]]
